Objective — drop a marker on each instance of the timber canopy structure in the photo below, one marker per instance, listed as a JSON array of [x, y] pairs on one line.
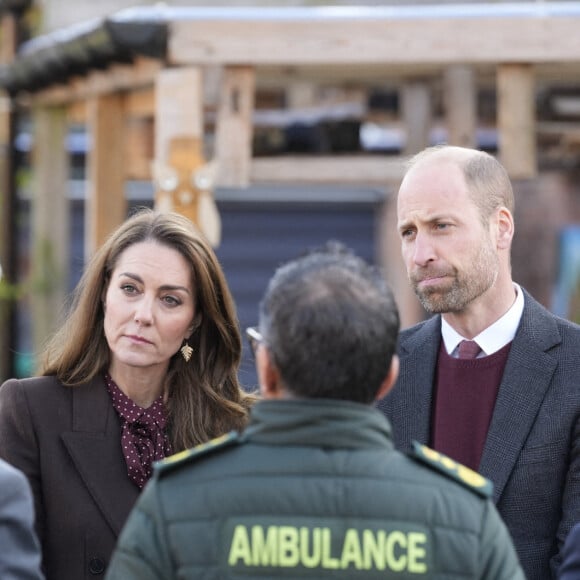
[[145, 77]]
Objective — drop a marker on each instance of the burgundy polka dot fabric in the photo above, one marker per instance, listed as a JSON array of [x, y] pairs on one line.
[[143, 436]]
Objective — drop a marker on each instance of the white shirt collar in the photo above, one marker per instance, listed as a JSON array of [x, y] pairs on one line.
[[494, 337]]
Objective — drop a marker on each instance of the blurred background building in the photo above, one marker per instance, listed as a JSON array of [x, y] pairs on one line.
[[309, 110]]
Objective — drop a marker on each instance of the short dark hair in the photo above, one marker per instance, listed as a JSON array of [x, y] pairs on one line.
[[330, 323]]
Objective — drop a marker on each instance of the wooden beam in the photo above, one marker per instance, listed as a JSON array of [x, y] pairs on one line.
[[516, 120], [344, 169], [49, 223], [416, 113], [140, 103], [460, 98], [8, 259], [139, 140], [178, 108], [136, 76], [77, 112], [368, 40], [389, 252], [8, 37], [234, 127], [301, 94], [105, 206]]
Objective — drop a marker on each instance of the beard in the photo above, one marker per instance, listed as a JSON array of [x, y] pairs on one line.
[[460, 287]]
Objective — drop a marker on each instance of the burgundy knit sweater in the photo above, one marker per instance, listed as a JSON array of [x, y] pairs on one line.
[[465, 394]]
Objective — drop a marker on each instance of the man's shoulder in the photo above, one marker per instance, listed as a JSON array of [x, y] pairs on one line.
[[183, 459], [13, 484], [425, 327], [555, 330], [533, 308], [450, 470], [416, 336], [9, 475]]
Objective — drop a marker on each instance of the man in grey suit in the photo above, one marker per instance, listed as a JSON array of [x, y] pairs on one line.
[[19, 549], [493, 380]]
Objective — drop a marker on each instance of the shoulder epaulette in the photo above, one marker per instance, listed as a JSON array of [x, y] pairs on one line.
[[464, 475], [189, 455]]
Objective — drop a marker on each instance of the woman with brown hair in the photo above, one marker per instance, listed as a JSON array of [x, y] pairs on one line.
[[144, 366]]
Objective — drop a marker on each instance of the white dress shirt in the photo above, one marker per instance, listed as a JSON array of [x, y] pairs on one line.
[[494, 337]]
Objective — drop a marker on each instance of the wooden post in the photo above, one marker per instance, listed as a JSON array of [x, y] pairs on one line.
[[50, 222], [460, 99], [410, 309], [105, 206], [8, 255], [234, 129], [516, 119], [301, 94], [183, 180], [416, 112], [178, 108]]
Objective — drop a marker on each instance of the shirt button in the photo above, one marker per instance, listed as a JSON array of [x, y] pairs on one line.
[[96, 566]]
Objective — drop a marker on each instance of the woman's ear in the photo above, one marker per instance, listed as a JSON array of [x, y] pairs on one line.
[[195, 323]]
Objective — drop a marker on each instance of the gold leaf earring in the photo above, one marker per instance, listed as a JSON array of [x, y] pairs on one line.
[[186, 351]]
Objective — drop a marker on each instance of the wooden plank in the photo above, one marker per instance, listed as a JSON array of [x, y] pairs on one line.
[[140, 103], [344, 169], [416, 113], [460, 98], [50, 219], [234, 127], [516, 119], [139, 140], [301, 94], [184, 181], [105, 206], [8, 37], [138, 75], [178, 108], [77, 112], [374, 40], [8, 259], [389, 254]]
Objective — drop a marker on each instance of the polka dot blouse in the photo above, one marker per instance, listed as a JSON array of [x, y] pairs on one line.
[[143, 437]]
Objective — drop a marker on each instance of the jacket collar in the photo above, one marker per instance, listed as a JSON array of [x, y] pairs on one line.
[[316, 422], [94, 444], [526, 379]]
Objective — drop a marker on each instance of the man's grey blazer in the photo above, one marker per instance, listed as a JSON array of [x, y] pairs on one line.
[[19, 548], [532, 450]]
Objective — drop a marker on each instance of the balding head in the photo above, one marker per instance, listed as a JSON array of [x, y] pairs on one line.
[[487, 180]]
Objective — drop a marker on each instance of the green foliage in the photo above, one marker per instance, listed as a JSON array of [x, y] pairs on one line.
[[9, 291]]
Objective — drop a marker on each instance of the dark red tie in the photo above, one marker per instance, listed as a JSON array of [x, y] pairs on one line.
[[468, 349]]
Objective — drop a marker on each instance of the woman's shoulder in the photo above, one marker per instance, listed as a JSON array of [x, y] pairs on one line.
[[38, 389], [32, 383]]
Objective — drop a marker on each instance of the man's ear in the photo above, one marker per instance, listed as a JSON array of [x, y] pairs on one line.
[[390, 379], [268, 375], [505, 228]]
